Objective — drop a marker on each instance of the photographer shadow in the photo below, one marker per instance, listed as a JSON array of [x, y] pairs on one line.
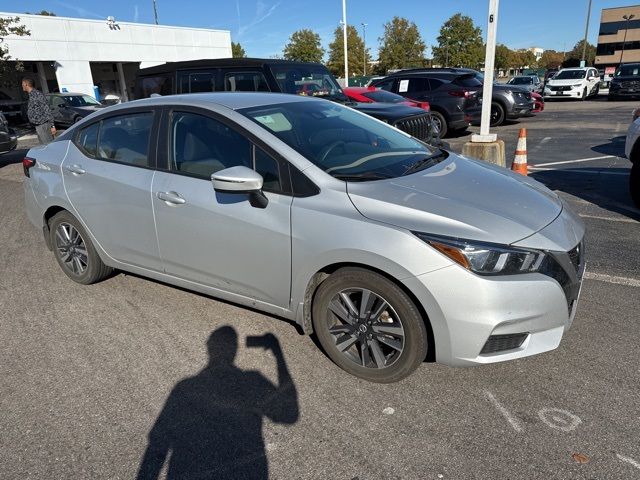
[[211, 424]]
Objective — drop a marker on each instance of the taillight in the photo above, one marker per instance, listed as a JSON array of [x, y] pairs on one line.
[[27, 163], [460, 93]]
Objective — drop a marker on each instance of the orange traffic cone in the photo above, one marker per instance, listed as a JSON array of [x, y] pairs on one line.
[[519, 164]]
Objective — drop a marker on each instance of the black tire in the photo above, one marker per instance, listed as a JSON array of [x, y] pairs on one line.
[[611, 98], [395, 311], [634, 184], [439, 119], [585, 94], [498, 115], [94, 270]]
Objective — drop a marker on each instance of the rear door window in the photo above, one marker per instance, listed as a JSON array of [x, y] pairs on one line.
[[245, 82], [197, 82], [125, 138], [160, 85], [88, 139], [413, 85]]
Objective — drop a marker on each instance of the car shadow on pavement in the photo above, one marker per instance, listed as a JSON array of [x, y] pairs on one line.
[[615, 147], [211, 424], [608, 190]]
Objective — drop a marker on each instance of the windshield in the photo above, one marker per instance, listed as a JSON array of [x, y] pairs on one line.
[[570, 75], [628, 70], [521, 81], [384, 96], [80, 100], [342, 142], [308, 80]]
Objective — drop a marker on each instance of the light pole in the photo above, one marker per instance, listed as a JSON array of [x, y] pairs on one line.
[[364, 49], [155, 11], [344, 39], [446, 52], [626, 29], [583, 63]]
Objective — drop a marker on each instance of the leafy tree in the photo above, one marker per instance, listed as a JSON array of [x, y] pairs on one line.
[[460, 43], [237, 51], [8, 65], [551, 59], [304, 45], [44, 13], [355, 54], [524, 59], [401, 45], [575, 56], [504, 57]]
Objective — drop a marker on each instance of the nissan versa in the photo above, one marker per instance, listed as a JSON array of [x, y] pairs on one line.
[[386, 248]]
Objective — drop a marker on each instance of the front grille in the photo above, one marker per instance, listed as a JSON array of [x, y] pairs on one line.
[[568, 280], [500, 343], [576, 256], [560, 89], [418, 126], [522, 96], [630, 84]]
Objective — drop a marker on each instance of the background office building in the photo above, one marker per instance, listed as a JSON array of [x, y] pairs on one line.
[[613, 27], [89, 56]]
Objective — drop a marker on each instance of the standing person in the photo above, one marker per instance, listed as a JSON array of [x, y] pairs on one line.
[[38, 111]]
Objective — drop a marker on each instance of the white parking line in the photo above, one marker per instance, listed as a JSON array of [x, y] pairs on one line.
[[580, 160], [601, 277], [610, 219], [600, 171], [629, 460], [514, 423]]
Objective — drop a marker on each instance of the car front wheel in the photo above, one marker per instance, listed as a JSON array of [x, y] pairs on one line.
[[634, 184], [497, 114], [368, 326], [74, 251]]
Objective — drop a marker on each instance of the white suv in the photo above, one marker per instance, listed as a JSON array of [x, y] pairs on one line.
[[573, 83]]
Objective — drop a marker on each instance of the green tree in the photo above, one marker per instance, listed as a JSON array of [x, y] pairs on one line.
[[504, 57], [551, 59], [355, 53], [524, 59], [401, 45], [574, 57], [304, 45], [45, 13], [237, 51], [460, 43], [9, 67]]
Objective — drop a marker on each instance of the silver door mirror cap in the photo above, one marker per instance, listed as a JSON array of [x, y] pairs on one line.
[[238, 179]]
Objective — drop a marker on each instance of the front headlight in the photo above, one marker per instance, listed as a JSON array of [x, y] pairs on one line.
[[486, 258], [576, 85]]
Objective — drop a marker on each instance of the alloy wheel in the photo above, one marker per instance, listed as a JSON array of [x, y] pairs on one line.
[[71, 248], [366, 329]]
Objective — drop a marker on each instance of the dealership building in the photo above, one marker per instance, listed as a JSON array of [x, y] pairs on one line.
[[101, 57], [617, 32]]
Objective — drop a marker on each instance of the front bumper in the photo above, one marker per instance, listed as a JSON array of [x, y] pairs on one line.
[[520, 110], [573, 93], [468, 311]]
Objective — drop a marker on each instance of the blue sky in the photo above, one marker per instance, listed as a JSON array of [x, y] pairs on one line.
[[263, 26]]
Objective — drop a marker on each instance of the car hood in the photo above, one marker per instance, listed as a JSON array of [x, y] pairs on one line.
[[626, 78], [514, 88], [460, 198], [386, 111]]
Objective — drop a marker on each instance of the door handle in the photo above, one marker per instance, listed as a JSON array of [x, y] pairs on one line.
[[173, 198], [76, 169]]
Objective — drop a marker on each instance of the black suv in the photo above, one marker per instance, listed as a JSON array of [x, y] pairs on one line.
[[268, 75], [454, 98], [625, 82]]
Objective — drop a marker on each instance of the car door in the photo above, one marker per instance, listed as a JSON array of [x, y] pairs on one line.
[[57, 110], [217, 239], [107, 176], [415, 88]]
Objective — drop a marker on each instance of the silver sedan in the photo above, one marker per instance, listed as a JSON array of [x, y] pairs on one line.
[[386, 248]]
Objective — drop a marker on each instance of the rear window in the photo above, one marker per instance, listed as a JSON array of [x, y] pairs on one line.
[[245, 82], [469, 81], [197, 82], [384, 96]]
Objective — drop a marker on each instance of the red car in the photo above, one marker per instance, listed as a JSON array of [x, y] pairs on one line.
[[538, 102], [373, 94]]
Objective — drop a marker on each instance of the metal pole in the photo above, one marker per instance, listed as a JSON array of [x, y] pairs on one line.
[[489, 61], [344, 37], [155, 11], [364, 49], [626, 29], [583, 63]]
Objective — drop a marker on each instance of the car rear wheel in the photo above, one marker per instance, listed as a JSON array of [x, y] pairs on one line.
[[497, 114], [74, 251], [634, 184], [440, 123], [368, 326]]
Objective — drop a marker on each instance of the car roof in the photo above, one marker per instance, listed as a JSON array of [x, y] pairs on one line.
[[218, 62], [231, 100], [67, 94]]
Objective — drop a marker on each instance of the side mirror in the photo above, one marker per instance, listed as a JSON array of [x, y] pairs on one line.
[[241, 180]]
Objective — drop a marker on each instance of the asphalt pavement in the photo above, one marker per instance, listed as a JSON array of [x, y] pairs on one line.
[[104, 381]]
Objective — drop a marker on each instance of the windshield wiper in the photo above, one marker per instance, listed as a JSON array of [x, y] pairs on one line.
[[425, 163], [361, 177]]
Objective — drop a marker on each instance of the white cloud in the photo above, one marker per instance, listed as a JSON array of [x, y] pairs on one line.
[[263, 11]]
